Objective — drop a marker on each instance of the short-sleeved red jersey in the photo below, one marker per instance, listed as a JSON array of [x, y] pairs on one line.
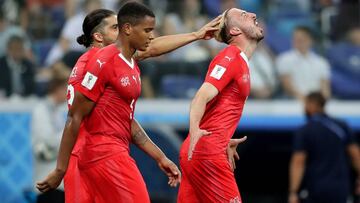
[[76, 76], [114, 84], [229, 73]]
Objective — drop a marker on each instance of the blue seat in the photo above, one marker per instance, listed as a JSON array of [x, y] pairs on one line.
[[180, 86], [41, 49], [280, 26], [155, 179]]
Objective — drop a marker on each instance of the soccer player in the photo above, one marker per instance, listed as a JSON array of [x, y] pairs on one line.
[[111, 137], [215, 113]]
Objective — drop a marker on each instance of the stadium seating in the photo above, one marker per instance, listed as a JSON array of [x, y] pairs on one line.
[[345, 71], [180, 86]]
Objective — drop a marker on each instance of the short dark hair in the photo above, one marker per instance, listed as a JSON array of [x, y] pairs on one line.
[[318, 98], [55, 83], [133, 13], [93, 22], [306, 30], [15, 38]]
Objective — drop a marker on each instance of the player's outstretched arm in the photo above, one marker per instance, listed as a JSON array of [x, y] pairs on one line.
[[142, 140], [164, 44], [197, 109], [81, 107]]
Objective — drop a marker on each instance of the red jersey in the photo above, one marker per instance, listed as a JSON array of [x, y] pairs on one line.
[[229, 73], [76, 76], [114, 84]]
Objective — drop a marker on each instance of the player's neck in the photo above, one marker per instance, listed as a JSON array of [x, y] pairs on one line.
[[248, 47], [126, 50]]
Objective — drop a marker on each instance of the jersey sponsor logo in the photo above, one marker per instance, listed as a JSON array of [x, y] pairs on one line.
[[74, 72], [235, 200], [134, 78], [100, 63], [125, 81], [218, 72], [89, 80]]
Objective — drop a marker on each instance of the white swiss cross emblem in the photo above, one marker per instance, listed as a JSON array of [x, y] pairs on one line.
[[246, 78], [125, 81]]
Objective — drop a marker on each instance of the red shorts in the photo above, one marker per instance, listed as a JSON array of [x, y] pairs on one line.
[[75, 189], [207, 180], [115, 179]]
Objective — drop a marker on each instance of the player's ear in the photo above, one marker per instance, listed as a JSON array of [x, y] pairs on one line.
[[98, 37], [234, 31], [127, 28]]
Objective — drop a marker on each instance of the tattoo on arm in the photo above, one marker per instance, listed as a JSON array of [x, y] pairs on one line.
[[140, 138]]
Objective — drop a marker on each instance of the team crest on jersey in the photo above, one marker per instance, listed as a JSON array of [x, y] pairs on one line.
[[235, 200], [125, 81], [217, 72], [89, 80]]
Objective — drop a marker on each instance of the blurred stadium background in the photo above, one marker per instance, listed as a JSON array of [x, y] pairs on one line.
[[42, 34]]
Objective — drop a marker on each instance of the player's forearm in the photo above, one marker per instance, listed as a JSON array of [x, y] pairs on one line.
[[197, 110], [164, 44], [296, 174], [142, 141], [67, 142]]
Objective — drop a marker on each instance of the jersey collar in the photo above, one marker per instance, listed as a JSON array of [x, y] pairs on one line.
[[131, 64], [243, 55]]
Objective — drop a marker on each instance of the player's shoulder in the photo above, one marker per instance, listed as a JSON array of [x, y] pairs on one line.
[[106, 53], [88, 55]]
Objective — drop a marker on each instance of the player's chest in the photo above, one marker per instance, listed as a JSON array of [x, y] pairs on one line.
[[126, 82], [242, 82]]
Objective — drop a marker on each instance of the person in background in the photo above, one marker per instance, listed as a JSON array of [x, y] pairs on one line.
[[48, 120], [301, 70], [17, 72], [322, 149]]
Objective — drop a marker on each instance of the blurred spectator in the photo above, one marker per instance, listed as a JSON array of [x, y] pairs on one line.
[[47, 18], [71, 30], [17, 72], [216, 7], [348, 17], [264, 79], [74, 6], [187, 19], [320, 158], [262, 74], [47, 124], [344, 58], [15, 12], [301, 70], [7, 30], [354, 36]]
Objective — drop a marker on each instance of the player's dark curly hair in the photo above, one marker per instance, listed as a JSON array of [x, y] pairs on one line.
[[133, 13], [93, 22]]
